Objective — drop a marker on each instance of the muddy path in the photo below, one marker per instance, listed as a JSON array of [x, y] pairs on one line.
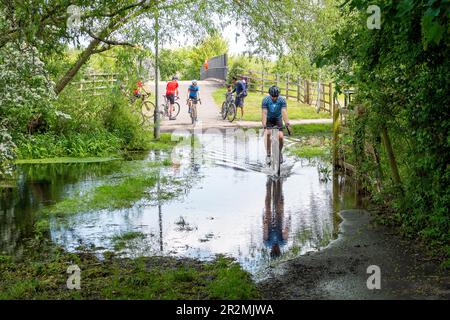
[[340, 270]]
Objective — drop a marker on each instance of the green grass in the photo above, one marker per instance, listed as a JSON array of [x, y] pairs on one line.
[[252, 107], [41, 274], [311, 129]]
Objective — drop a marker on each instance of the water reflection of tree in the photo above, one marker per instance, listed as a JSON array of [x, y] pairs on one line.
[[275, 226]]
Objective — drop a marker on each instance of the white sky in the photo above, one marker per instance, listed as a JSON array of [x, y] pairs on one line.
[[229, 34]]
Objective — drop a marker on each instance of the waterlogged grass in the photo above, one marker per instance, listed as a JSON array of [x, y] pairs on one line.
[[132, 182], [121, 241], [121, 195], [164, 142], [41, 274], [314, 140], [66, 160], [252, 107], [305, 151]]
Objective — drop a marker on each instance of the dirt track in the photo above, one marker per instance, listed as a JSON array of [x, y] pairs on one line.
[[340, 270]]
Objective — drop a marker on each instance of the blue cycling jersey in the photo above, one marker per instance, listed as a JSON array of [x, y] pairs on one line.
[[274, 107], [193, 91]]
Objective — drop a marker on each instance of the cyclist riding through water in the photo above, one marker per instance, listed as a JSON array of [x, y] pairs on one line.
[[193, 94], [274, 111], [171, 93]]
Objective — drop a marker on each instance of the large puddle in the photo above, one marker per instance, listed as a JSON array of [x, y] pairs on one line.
[[229, 205]]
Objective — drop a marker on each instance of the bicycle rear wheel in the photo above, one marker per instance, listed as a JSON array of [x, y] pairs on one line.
[[224, 110], [231, 113], [176, 109], [148, 110]]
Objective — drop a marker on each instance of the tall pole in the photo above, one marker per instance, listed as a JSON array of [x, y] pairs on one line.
[[156, 129]]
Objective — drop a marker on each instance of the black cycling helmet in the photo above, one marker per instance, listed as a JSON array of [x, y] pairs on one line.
[[174, 78], [274, 91]]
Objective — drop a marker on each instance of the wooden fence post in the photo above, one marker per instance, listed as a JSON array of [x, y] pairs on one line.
[[307, 92], [298, 88], [262, 81], [287, 86], [330, 95], [336, 125]]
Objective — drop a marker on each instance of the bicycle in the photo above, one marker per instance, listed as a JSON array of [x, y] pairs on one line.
[[165, 108], [228, 108], [193, 109], [276, 155], [147, 108]]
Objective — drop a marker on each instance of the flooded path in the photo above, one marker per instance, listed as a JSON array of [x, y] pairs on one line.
[[228, 204]]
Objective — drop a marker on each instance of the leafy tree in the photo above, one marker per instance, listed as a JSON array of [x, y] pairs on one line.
[[401, 73]]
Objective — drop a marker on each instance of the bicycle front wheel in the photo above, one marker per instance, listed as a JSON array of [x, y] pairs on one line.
[[231, 113], [148, 110], [193, 114], [224, 110]]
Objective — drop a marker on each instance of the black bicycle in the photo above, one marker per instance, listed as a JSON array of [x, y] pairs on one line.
[[228, 107], [165, 108], [145, 108], [193, 109]]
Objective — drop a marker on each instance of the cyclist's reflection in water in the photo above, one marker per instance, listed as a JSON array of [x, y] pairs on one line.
[[276, 227]]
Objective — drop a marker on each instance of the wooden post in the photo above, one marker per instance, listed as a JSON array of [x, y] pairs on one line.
[[262, 81], [156, 128], [390, 155], [298, 88], [330, 95], [287, 86], [336, 125], [307, 92]]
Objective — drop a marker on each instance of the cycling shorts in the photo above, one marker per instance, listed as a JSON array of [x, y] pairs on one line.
[[275, 122], [171, 98]]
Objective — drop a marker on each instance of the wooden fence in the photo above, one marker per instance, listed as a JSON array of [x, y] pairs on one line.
[[96, 83], [305, 91]]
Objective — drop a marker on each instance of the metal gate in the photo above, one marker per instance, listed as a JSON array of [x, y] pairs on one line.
[[217, 68]]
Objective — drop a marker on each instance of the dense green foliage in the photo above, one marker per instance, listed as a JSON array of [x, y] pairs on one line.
[[400, 72], [186, 61]]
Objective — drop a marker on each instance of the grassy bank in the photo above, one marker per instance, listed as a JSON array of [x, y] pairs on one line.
[[41, 273], [252, 107], [82, 148]]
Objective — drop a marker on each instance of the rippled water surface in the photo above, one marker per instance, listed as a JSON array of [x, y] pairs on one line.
[[227, 203]]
